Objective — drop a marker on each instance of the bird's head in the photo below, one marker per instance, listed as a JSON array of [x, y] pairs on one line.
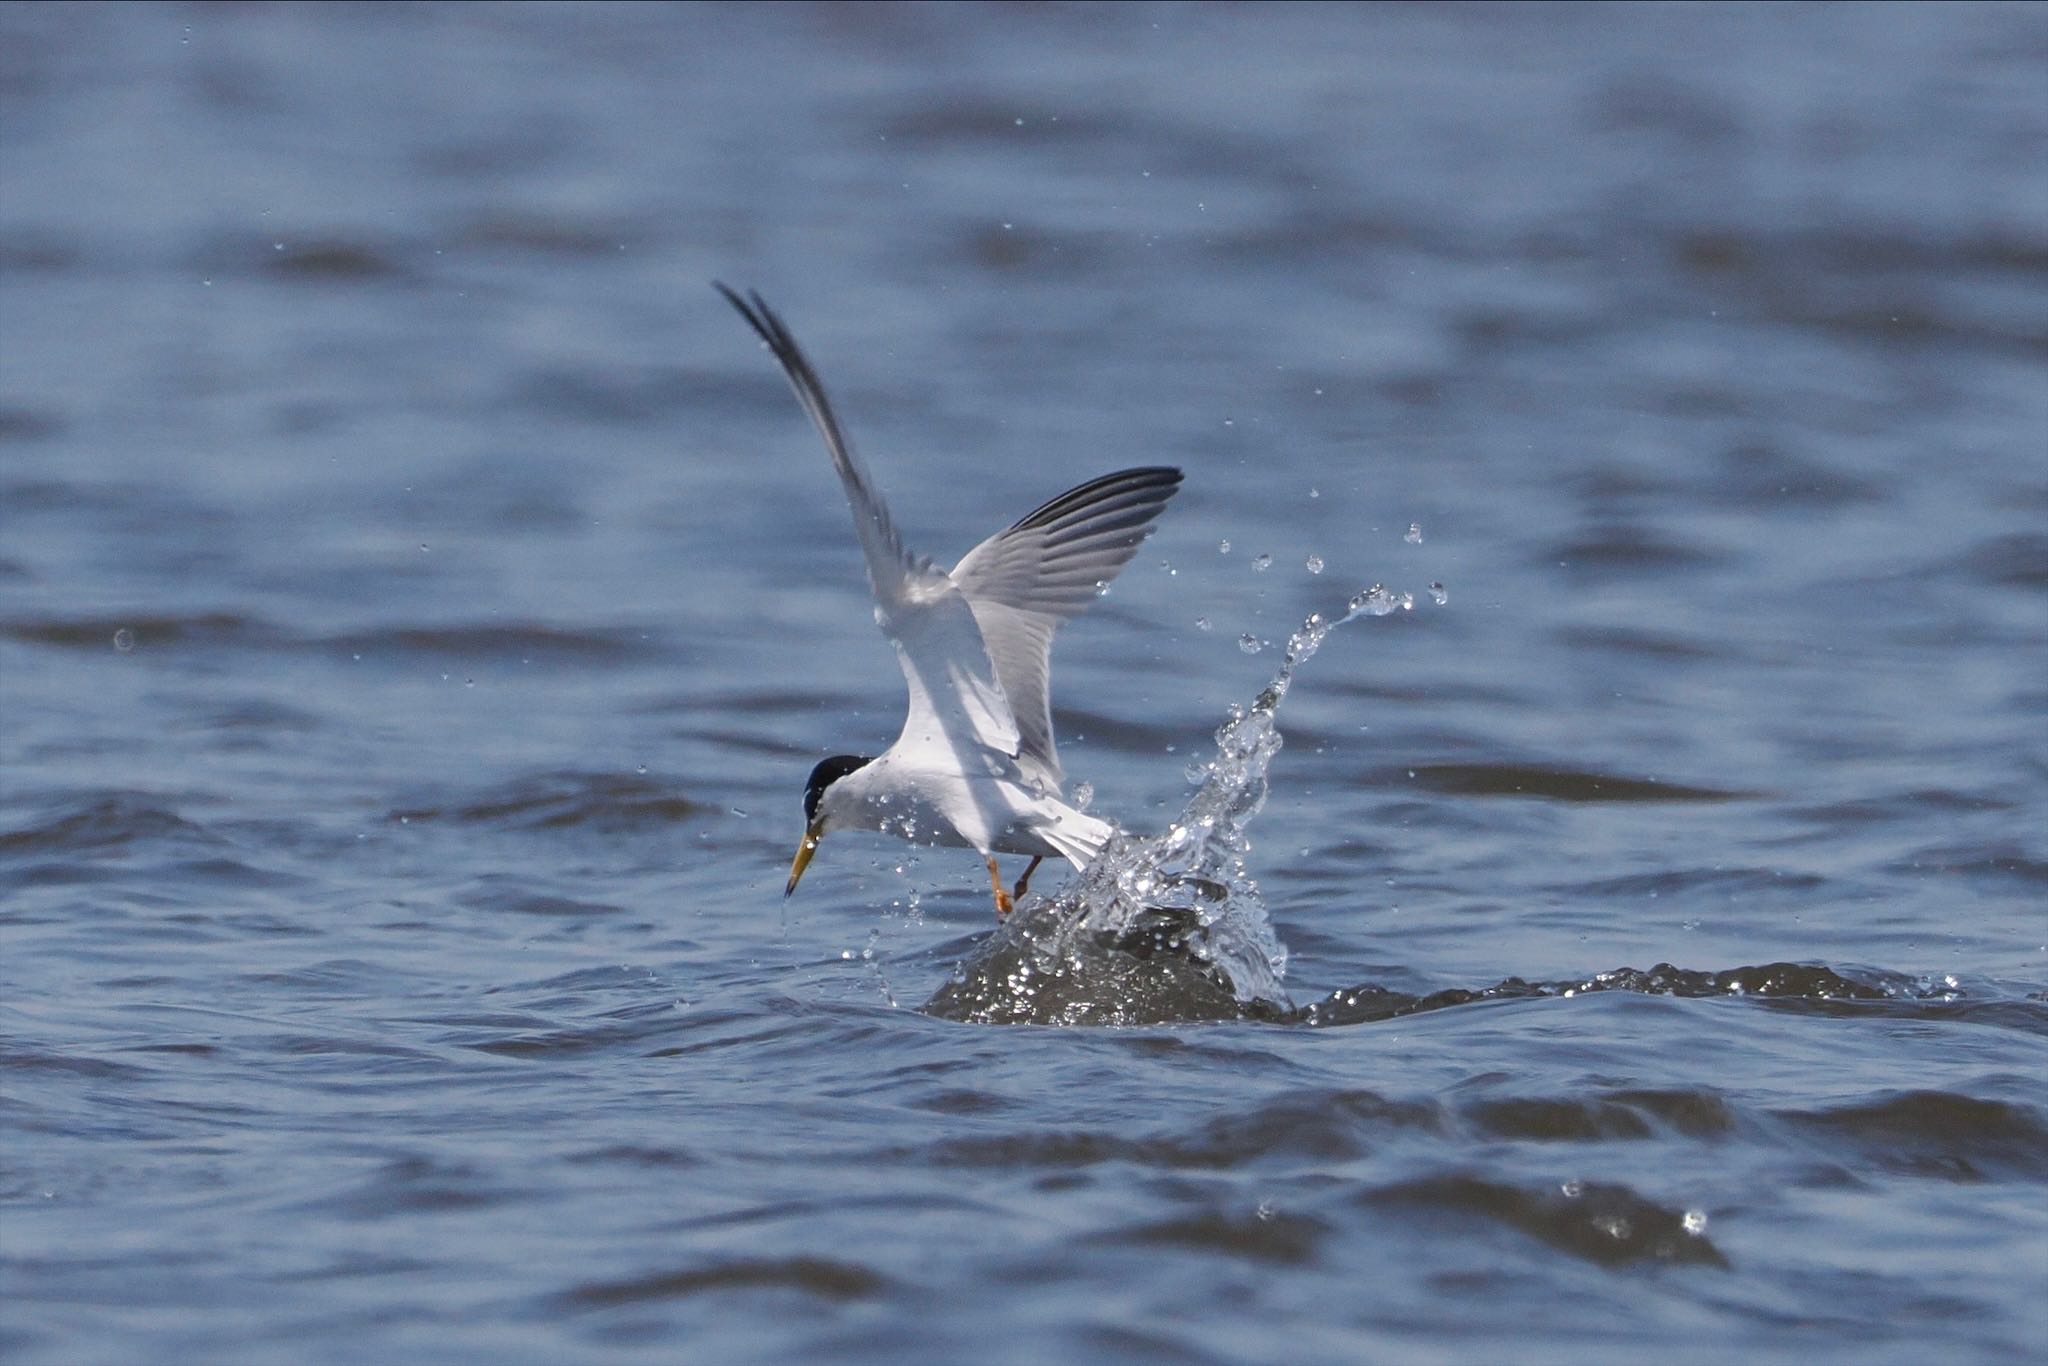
[[827, 772]]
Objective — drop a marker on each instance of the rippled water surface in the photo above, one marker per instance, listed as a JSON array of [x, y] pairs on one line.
[[421, 601]]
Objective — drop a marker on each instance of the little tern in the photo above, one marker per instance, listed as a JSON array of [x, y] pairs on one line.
[[975, 765]]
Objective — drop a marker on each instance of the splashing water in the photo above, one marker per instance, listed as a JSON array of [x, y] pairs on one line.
[[1187, 893]]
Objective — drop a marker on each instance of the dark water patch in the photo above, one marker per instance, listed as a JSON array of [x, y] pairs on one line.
[[260, 715], [1316, 1126], [636, 1155], [1628, 549], [1156, 972], [621, 395], [632, 980], [1035, 1150], [631, 1035], [300, 257], [1997, 861], [415, 1185], [1673, 882], [527, 230], [1079, 728], [1869, 285], [609, 803], [1146, 976], [333, 978], [965, 1101], [32, 252], [1546, 1120], [331, 1045], [1262, 1236], [1755, 476], [1936, 1134], [766, 700], [1044, 252], [819, 1277], [1608, 1224], [2019, 560], [547, 907], [1556, 784], [103, 824], [1693, 1113], [332, 261], [1915, 804], [1308, 1127], [20, 1057], [497, 643], [144, 630], [352, 1266], [1642, 643], [19, 423]]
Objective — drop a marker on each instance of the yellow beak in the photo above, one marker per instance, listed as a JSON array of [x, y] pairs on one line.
[[803, 857]]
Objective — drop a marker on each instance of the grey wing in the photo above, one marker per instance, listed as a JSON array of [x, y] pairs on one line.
[[891, 568], [958, 717], [1024, 581]]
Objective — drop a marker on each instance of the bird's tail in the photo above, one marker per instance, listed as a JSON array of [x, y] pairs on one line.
[[1077, 836]]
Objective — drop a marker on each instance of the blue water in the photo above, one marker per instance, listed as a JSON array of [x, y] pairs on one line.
[[421, 602]]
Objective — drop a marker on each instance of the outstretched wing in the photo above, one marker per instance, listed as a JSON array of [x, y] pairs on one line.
[[959, 716], [1023, 582]]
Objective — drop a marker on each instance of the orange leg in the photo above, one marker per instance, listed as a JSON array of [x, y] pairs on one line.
[[1017, 892], [995, 880]]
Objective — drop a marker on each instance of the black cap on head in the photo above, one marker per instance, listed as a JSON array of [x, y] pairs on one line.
[[828, 772]]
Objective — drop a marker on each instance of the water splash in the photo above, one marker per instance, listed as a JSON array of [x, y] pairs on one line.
[[1183, 900]]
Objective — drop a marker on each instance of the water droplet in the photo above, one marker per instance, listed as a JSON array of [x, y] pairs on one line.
[[124, 640], [641, 769], [1101, 591], [1223, 547], [1084, 793], [1250, 643], [1314, 564], [423, 547], [1375, 601], [1201, 623], [1414, 536], [469, 682], [1262, 563], [1316, 493], [1694, 1222], [1572, 1189], [1441, 594], [737, 811]]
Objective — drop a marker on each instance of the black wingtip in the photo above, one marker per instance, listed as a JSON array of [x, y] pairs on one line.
[[755, 319], [1146, 486]]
